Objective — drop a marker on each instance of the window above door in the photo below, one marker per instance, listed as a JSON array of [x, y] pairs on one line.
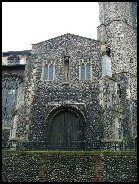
[[48, 70], [85, 69]]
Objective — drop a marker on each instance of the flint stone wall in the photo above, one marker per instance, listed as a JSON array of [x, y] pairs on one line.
[[82, 94], [62, 168]]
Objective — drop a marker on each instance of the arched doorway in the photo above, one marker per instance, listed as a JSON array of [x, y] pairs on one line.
[[66, 129]]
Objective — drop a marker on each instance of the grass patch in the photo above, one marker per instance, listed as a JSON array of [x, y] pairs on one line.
[[72, 153]]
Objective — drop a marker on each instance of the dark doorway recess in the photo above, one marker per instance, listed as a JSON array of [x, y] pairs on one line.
[[66, 129]]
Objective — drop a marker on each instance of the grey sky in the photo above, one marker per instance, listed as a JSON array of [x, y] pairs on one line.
[[25, 23]]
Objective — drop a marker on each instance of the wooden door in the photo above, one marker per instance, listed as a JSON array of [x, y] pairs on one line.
[[65, 131]]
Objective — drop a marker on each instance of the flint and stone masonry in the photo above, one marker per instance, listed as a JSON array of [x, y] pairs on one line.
[[71, 91]]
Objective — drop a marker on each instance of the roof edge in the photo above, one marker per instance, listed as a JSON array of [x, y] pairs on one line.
[[67, 34]]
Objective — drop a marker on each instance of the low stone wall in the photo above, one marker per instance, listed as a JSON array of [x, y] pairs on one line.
[[69, 166]]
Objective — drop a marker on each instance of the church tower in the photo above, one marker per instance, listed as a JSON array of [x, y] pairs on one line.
[[118, 85]]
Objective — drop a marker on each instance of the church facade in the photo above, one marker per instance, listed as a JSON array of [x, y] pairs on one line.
[[72, 92]]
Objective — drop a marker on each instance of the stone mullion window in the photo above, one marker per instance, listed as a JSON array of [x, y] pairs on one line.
[[54, 71], [45, 72], [48, 72], [85, 71]]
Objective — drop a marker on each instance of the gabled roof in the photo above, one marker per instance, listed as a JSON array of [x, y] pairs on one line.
[[64, 36], [67, 35]]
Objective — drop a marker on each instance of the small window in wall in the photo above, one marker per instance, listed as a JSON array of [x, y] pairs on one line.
[[125, 21], [119, 90], [108, 51], [85, 71], [131, 60], [48, 72], [66, 69]]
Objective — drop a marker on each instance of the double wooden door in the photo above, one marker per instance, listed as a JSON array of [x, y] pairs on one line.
[[66, 131]]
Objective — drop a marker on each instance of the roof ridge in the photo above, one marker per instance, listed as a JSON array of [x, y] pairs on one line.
[[66, 34]]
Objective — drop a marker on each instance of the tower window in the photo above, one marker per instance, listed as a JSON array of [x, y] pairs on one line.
[[125, 21], [66, 68], [48, 72], [108, 51], [131, 60]]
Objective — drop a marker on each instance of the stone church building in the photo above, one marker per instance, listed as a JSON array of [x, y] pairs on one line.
[[71, 92]]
